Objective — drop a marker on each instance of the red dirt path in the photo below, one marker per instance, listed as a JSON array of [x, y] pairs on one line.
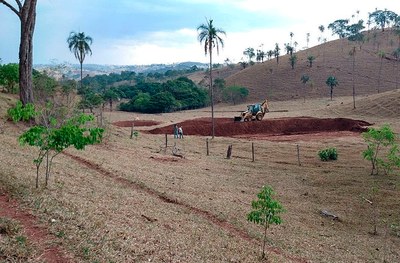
[[269, 127], [36, 234]]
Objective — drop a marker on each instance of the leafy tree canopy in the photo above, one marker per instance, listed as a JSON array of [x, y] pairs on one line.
[[179, 94], [235, 94], [9, 76]]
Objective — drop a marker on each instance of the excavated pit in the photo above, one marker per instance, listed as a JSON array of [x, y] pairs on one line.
[[226, 127]]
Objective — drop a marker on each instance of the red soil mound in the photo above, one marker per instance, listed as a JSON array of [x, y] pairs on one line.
[[281, 126], [135, 123]]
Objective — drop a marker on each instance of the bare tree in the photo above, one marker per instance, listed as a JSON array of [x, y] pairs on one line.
[[26, 12]]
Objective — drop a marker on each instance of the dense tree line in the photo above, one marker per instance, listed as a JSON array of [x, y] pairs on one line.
[[172, 95], [113, 79]]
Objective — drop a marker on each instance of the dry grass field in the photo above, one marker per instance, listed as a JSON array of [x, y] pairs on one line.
[[132, 200]]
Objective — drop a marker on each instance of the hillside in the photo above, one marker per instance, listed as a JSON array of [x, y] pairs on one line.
[[153, 198], [280, 82]]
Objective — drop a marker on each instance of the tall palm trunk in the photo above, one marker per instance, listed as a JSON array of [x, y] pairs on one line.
[[81, 73], [352, 77], [211, 94]]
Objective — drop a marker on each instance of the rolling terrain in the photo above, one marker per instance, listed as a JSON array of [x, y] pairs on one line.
[[152, 198]]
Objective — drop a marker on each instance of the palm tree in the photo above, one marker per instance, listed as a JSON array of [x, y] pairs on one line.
[[305, 78], [310, 59], [332, 82], [270, 53], [292, 60], [79, 44], [249, 52], [352, 53], [276, 52], [291, 37], [211, 38]]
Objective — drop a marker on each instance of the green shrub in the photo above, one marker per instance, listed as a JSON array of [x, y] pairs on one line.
[[21, 112], [328, 154], [383, 149]]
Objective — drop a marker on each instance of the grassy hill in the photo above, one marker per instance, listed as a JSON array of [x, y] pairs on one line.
[[280, 82], [132, 200]]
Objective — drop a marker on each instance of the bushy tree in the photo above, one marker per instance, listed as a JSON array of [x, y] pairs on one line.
[[110, 96], [382, 149], [339, 27], [91, 101], [9, 76], [265, 212], [145, 96], [235, 94], [249, 53], [52, 140], [383, 17], [219, 86], [162, 102], [44, 87]]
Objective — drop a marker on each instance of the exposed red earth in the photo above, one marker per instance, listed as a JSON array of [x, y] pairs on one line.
[[268, 127], [38, 235]]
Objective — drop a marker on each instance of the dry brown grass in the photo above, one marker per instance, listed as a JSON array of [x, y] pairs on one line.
[[280, 82], [126, 201]]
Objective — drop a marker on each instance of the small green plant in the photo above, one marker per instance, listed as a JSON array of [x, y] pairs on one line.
[[51, 141], [265, 212], [382, 149], [134, 134], [22, 113], [395, 229], [21, 240], [328, 154], [86, 252], [60, 234]]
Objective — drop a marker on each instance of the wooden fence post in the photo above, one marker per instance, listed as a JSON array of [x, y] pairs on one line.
[[208, 152], [133, 125], [298, 154], [252, 151], [229, 152]]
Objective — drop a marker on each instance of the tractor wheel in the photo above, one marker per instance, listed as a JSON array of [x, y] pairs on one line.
[[259, 116]]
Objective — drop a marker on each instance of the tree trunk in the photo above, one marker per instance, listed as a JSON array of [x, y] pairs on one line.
[[354, 88], [331, 92], [81, 73], [380, 74], [27, 16], [264, 240], [212, 96]]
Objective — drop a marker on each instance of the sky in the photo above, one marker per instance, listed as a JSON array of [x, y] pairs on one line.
[[143, 32]]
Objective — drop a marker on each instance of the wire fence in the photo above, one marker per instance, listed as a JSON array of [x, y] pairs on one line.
[[294, 153]]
